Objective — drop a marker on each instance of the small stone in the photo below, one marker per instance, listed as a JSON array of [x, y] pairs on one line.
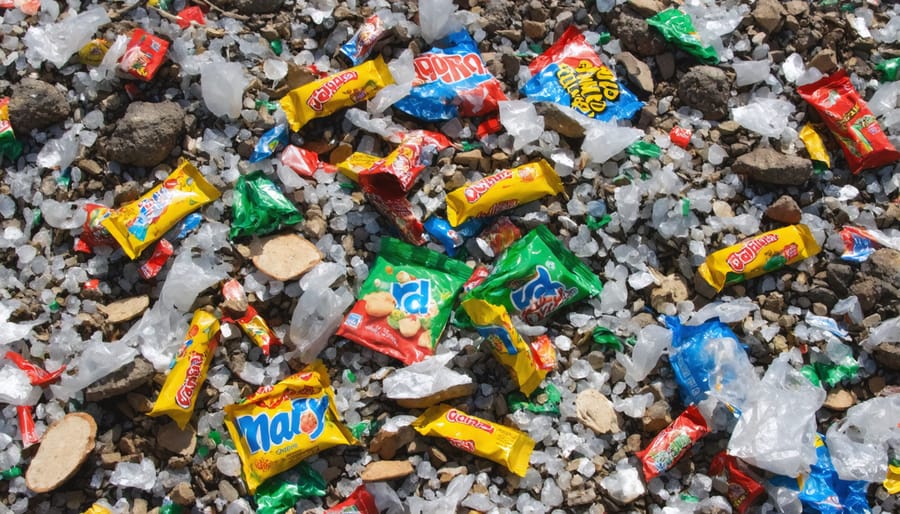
[[386, 443], [595, 411], [555, 120], [839, 400], [139, 506], [772, 167], [382, 470], [656, 417], [284, 257], [884, 263], [36, 104], [637, 70], [722, 209], [109, 459], [252, 6], [769, 15], [182, 494], [707, 89], [868, 291], [672, 289], [785, 210], [646, 8], [133, 375], [825, 61], [471, 159], [445, 474], [666, 64], [887, 355], [513, 35], [228, 492], [64, 448], [146, 134], [139, 403], [125, 310], [535, 30], [176, 440], [637, 36], [340, 153]]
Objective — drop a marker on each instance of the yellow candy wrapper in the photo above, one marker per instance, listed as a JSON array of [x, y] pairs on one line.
[[92, 54], [814, 145], [328, 95], [138, 224], [188, 370], [502, 191], [758, 255], [279, 426], [892, 481], [495, 325], [501, 444], [356, 163]]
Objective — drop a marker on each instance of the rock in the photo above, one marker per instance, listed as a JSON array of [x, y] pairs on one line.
[[64, 448], [772, 167], [595, 411], [146, 134], [176, 440], [537, 11], [228, 492], [868, 291], [514, 35], [556, 120], [252, 6], [707, 89], [127, 379], [887, 355], [665, 62], [769, 15], [646, 8], [386, 443], [35, 104], [638, 72], [672, 289], [839, 400], [182, 494], [382, 470], [637, 36], [473, 159], [535, 30], [825, 61], [125, 310], [656, 417], [884, 263], [839, 277], [446, 474], [785, 210], [284, 257]]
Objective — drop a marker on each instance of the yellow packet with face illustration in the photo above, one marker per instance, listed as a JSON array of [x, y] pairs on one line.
[[281, 425], [504, 445], [758, 255], [330, 94], [356, 163], [138, 224], [502, 191], [187, 372], [495, 325]]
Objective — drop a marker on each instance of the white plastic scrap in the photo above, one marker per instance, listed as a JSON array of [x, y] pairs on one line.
[[521, 120], [58, 41], [766, 116], [652, 342], [96, 361], [887, 332], [131, 474], [16, 388], [457, 490], [11, 332], [423, 379], [437, 19], [858, 444], [318, 314], [624, 484], [222, 85]]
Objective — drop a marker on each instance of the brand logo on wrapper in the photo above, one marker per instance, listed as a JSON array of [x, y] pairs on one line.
[[455, 416], [540, 296], [326, 91], [412, 297], [479, 188], [499, 336], [738, 260], [448, 68], [589, 86], [186, 392], [466, 446], [262, 432]]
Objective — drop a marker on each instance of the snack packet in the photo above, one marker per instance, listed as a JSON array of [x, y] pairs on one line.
[[252, 324], [93, 52], [672, 442], [358, 162], [26, 426], [188, 370], [304, 162], [328, 95], [144, 55], [848, 117], [269, 142], [815, 147], [679, 30], [281, 425], [860, 243], [259, 207], [93, 233], [358, 48], [138, 224], [504, 445], [570, 73], [399, 212], [394, 175], [743, 489], [405, 302], [9, 146], [536, 277], [494, 324], [360, 501], [157, 260], [448, 237], [452, 81], [502, 191], [758, 255], [501, 234]]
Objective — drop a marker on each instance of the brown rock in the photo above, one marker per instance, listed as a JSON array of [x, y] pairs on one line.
[[146, 134], [386, 443], [839, 400], [707, 89], [646, 8], [176, 440], [769, 15], [637, 70], [785, 210], [884, 263], [825, 61], [36, 104], [772, 167], [535, 30], [125, 380], [64, 448], [382, 470], [284, 257], [125, 309], [656, 417], [182, 494], [595, 411], [672, 289]]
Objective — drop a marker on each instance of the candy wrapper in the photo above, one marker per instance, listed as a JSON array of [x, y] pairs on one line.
[[188, 370], [849, 119], [358, 162], [494, 324], [328, 95], [360, 501], [451, 81], [544, 353], [157, 260], [190, 14], [361, 44], [479, 275], [679, 30], [144, 55], [399, 213], [545, 400], [860, 243], [504, 445], [93, 233], [448, 237], [246, 317], [281, 425], [269, 142], [536, 277], [304, 162], [501, 235], [394, 175], [26, 425], [36, 374], [10, 148], [259, 207], [758, 255], [743, 488], [281, 494], [673, 442], [502, 191], [570, 73], [138, 224], [405, 302], [815, 147]]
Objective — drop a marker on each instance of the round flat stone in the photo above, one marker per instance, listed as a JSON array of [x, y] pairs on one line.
[[284, 257]]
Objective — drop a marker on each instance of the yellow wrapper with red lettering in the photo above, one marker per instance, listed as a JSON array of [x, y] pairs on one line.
[[281, 425], [502, 191], [138, 224], [358, 162], [504, 445], [188, 370], [758, 255], [328, 95], [495, 325]]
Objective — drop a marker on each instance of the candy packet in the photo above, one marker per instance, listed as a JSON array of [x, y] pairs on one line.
[[358, 48], [394, 175], [815, 147], [502, 191], [451, 81], [93, 233], [138, 224], [504, 445], [157, 260], [399, 213], [667, 448], [501, 235], [570, 73], [246, 317], [10, 148], [360, 501], [188, 370], [679, 30], [281, 425], [405, 302], [358, 162], [144, 55], [758, 255], [860, 243], [269, 142], [743, 488], [849, 119], [448, 237], [259, 207]]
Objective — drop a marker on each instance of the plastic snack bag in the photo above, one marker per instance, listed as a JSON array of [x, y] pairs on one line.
[[679, 30], [673, 442]]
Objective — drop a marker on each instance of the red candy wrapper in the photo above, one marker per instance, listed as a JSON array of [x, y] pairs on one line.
[[848, 117], [673, 442], [394, 175], [680, 136], [93, 233], [155, 263], [38, 375], [189, 14], [480, 273], [304, 162], [26, 426], [743, 488], [144, 55], [544, 352], [399, 212], [360, 501], [501, 234]]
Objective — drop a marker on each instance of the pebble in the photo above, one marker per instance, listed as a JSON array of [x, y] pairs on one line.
[[285, 257], [769, 15], [596, 411], [381, 470], [127, 379], [785, 210], [146, 134], [35, 104], [126, 309], [637, 71], [176, 440], [64, 448], [839, 400], [707, 89]]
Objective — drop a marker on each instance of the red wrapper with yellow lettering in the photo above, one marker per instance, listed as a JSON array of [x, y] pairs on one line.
[[502, 191], [328, 95], [394, 175], [279, 426], [188, 370], [501, 444]]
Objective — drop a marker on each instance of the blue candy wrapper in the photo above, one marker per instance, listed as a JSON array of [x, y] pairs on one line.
[[360, 45], [451, 81], [570, 73], [190, 222], [451, 238], [269, 142]]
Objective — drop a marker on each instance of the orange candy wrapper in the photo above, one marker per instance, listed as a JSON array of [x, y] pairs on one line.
[[188, 370], [281, 425], [504, 445]]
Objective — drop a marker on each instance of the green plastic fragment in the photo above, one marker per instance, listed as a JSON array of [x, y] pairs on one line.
[[54, 306], [348, 185], [202, 451], [606, 338], [65, 178], [544, 400], [170, 508], [282, 492], [276, 46], [809, 371], [37, 217], [271, 106], [260, 207], [889, 69], [10, 147], [644, 150], [833, 374], [690, 498], [685, 207], [470, 145], [12, 472], [536, 48], [678, 29], [360, 429], [349, 376], [605, 37], [597, 223], [215, 436], [228, 444]]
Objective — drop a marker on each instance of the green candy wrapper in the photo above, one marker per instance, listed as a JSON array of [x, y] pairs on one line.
[[535, 277], [542, 401], [889, 69], [644, 150], [279, 494], [260, 207], [678, 29], [9, 147]]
